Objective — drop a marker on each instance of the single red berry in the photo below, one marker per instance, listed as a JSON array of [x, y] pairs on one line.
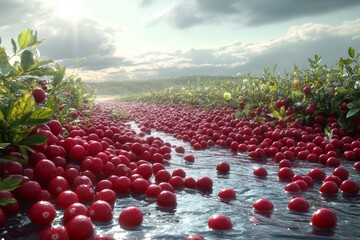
[[324, 218], [39, 95], [42, 213], [219, 222], [131, 217], [80, 228], [57, 232], [100, 211]]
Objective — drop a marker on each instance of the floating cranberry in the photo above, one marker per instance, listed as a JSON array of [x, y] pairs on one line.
[[180, 149], [166, 199], [284, 163], [341, 172], [329, 187], [263, 205], [122, 185], [162, 176], [334, 179], [145, 170], [166, 187], [317, 174], [189, 182], [350, 186], [204, 183], [42, 213], [77, 153], [106, 195], [298, 204], [227, 193], [153, 190], [194, 237], [357, 165], [302, 184], [131, 217], [189, 158], [292, 187], [324, 218], [139, 185], [219, 222], [176, 182], [260, 172], [179, 172], [223, 167], [80, 228], [285, 173], [57, 232], [100, 211]]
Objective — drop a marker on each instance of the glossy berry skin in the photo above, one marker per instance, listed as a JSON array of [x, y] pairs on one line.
[[100, 211], [74, 210], [219, 222], [39, 95], [42, 213], [2, 218], [298, 204], [324, 218], [57, 232], [80, 228], [131, 217], [166, 199], [263, 205]]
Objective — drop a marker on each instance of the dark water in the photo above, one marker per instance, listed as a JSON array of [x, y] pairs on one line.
[[195, 208]]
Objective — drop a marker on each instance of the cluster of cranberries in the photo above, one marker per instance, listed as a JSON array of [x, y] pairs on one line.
[[101, 159]]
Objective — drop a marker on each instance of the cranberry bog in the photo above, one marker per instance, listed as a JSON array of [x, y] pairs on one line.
[[185, 172], [264, 156]]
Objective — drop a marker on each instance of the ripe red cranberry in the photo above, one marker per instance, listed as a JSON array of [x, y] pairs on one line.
[[85, 193], [223, 167], [106, 195], [227, 193], [329, 188], [324, 218], [42, 213], [57, 185], [298, 204], [260, 172], [44, 170], [166, 199], [153, 190], [55, 127], [139, 185], [100, 211], [204, 183], [122, 185], [29, 190], [66, 198], [263, 205], [350, 186], [219, 222], [131, 217], [80, 228], [39, 95], [57, 232]]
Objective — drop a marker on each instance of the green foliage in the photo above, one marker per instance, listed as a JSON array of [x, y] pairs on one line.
[[20, 74], [255, 96], [8, 184]]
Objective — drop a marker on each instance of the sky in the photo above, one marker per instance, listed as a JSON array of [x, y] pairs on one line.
[[147, 39]]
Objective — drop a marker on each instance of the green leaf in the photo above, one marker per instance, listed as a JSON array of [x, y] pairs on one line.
[[352, 112], [14, 46], [21, 108], [39, 116], [5, 159], [5, 67], [351, 52], [35, 139], [282, 111], [9, 183], [23, 153], [2, 117], [27, 59], [26, 38], [59, 75], [6, 201]]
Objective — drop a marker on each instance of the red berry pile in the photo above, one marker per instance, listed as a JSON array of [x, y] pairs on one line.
[[102, 171]]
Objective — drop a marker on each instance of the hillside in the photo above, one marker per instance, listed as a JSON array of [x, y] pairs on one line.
[[112, 89]]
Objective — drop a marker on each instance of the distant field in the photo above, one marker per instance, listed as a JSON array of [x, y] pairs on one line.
[[109, 90]]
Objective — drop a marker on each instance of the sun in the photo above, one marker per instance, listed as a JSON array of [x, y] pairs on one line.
[[73, 10]]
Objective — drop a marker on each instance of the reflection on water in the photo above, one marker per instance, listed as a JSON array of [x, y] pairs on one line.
[[195, 208]]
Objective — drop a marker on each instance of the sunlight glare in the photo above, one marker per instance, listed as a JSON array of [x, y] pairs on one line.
[[72, 10]]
